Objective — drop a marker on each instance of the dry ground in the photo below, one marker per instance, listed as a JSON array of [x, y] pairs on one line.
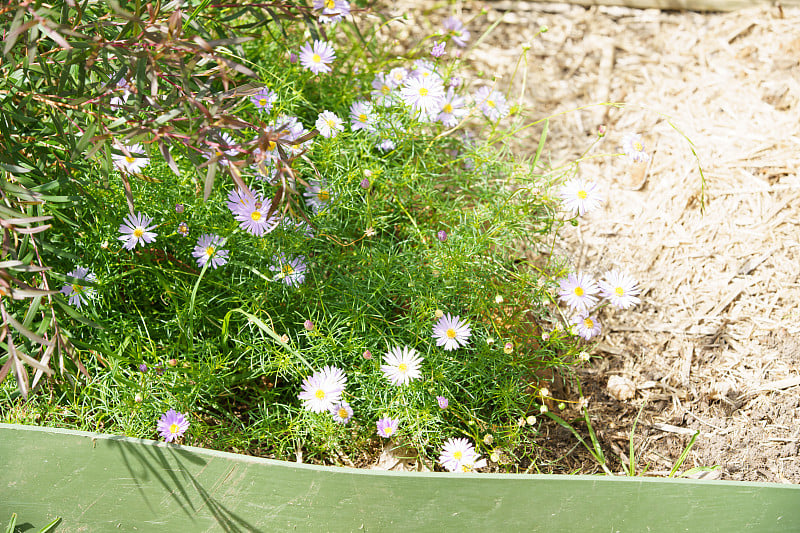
[[714, 346]]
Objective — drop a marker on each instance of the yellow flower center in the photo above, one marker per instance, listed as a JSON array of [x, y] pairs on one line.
[[582, 195], [262, 102], [173, 428], [490, 103], [210, 251], [287, 270], [255, 216], [320, 394], [423, 91], [403, 368], [466, 468], [77, 288], [315, 58], [619, 291], [388, 430], [342, 412], [638, 146], [457, 455], [323, 196], [362, 117], [129, 159], [588, 323], [451, 333], [330, 4], [138, 232], [271, 145], [447, 108], [386, 89], [578, 291], [331, 123]]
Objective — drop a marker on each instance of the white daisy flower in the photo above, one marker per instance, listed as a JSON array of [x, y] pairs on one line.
[[580, 196], [620, 289], [456, 453], [133, 162], [578, 291], [329, 125], [633, 146], [323, 389], [425, 94], [451, 332], [402, 365]]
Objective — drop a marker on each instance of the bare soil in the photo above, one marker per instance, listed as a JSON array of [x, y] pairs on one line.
[[713, 347]]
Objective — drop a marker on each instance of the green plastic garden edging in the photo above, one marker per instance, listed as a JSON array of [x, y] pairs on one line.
[[97, 482]]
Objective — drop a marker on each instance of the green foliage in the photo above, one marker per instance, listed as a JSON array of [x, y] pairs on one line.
[[228, 345]]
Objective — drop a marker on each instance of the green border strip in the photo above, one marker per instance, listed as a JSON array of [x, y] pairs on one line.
[[98, 482]]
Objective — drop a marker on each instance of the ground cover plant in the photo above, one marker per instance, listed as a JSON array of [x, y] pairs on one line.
[[248, 227]]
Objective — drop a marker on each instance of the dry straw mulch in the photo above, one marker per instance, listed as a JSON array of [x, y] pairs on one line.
[[714, 346]]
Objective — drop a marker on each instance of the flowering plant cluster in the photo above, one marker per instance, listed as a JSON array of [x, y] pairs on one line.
[[580, 291], [242, 237]]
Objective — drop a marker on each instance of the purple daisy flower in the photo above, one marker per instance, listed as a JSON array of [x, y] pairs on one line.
[[438, 49], [424, 69], [332, 10], [387, 427], [585, 326], [251, 213], [172, 425], [443, 402], [492, 103], [208, 249], [264, 99], [318, 195], [382, 90], [222, 148], [291, 271], [362, 116], [396, 77], [386, 145], [136, 230], [452, 109], [455, 28], [341, 412], [78, 294], [317, 57]]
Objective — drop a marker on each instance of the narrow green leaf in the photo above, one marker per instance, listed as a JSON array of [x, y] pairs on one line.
[[51, 526], [85, 139], [684, 455], [74, 314], [542, 140], [12, 524]]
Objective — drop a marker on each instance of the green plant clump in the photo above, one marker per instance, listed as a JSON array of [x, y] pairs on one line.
[[253, 215]]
